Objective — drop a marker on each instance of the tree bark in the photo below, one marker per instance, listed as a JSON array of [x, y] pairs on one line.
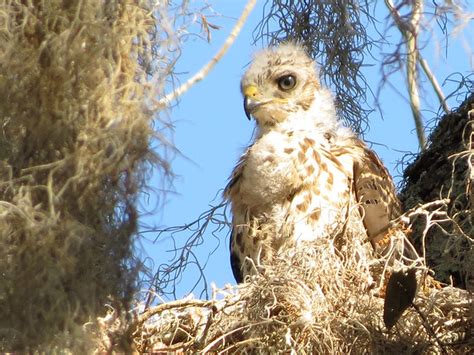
[[445, 170]]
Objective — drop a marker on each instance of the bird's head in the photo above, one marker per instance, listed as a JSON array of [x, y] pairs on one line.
[[281, 80]]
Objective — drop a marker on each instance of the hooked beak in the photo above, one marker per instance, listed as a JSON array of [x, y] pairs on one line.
[[250, 102], [249, 106]]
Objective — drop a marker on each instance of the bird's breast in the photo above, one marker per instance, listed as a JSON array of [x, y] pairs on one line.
[[269, 171]]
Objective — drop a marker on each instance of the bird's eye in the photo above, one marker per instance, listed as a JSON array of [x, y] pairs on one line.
[[286, 82]]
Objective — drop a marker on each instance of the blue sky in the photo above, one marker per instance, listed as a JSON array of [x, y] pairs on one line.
[[211, 131]]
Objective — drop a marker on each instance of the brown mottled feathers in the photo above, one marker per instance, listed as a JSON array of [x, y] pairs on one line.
[[303, 174], [372, 188], [375, 191], [230, 190]]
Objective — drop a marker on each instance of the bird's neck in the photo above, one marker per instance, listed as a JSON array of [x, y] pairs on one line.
[[321, 117], [301, 121]]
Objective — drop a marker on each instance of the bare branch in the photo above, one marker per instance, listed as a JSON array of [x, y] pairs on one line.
[[434, 82], [171, 305], [202, 73], [410, 29]]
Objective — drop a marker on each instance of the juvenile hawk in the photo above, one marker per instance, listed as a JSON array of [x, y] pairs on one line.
[[304, 170]]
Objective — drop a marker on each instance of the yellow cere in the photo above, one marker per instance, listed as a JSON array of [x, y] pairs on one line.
[[251, 91]]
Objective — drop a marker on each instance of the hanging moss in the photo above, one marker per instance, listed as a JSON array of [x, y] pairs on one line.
[[74, 151]]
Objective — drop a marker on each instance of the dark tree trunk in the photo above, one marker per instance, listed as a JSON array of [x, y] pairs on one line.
[[445, 171]]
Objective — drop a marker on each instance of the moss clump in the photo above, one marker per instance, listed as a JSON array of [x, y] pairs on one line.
[[74, 151]]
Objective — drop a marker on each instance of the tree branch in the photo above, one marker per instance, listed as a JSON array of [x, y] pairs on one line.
[[202, 73], [409, 30], [434, 84]]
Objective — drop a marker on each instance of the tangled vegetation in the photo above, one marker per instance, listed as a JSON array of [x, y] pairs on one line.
[[326, 297], [78, 79], [74, 151]]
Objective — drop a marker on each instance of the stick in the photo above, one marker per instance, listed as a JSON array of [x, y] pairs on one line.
[[202, 73]]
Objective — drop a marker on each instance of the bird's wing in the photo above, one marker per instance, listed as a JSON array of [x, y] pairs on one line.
[[231, 192], [375, 191], [232, 187]]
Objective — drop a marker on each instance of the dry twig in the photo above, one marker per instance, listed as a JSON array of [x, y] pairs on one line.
[[202, 73]]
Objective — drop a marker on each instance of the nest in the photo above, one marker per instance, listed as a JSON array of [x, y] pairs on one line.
[[321, 298]]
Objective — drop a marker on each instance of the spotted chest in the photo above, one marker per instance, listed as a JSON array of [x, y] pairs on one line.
[[287, 188]]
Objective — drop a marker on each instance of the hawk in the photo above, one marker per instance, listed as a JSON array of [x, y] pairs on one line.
[[304, 169]]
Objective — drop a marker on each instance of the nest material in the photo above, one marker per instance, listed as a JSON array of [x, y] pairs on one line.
[[320, 298], [74, 151]]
